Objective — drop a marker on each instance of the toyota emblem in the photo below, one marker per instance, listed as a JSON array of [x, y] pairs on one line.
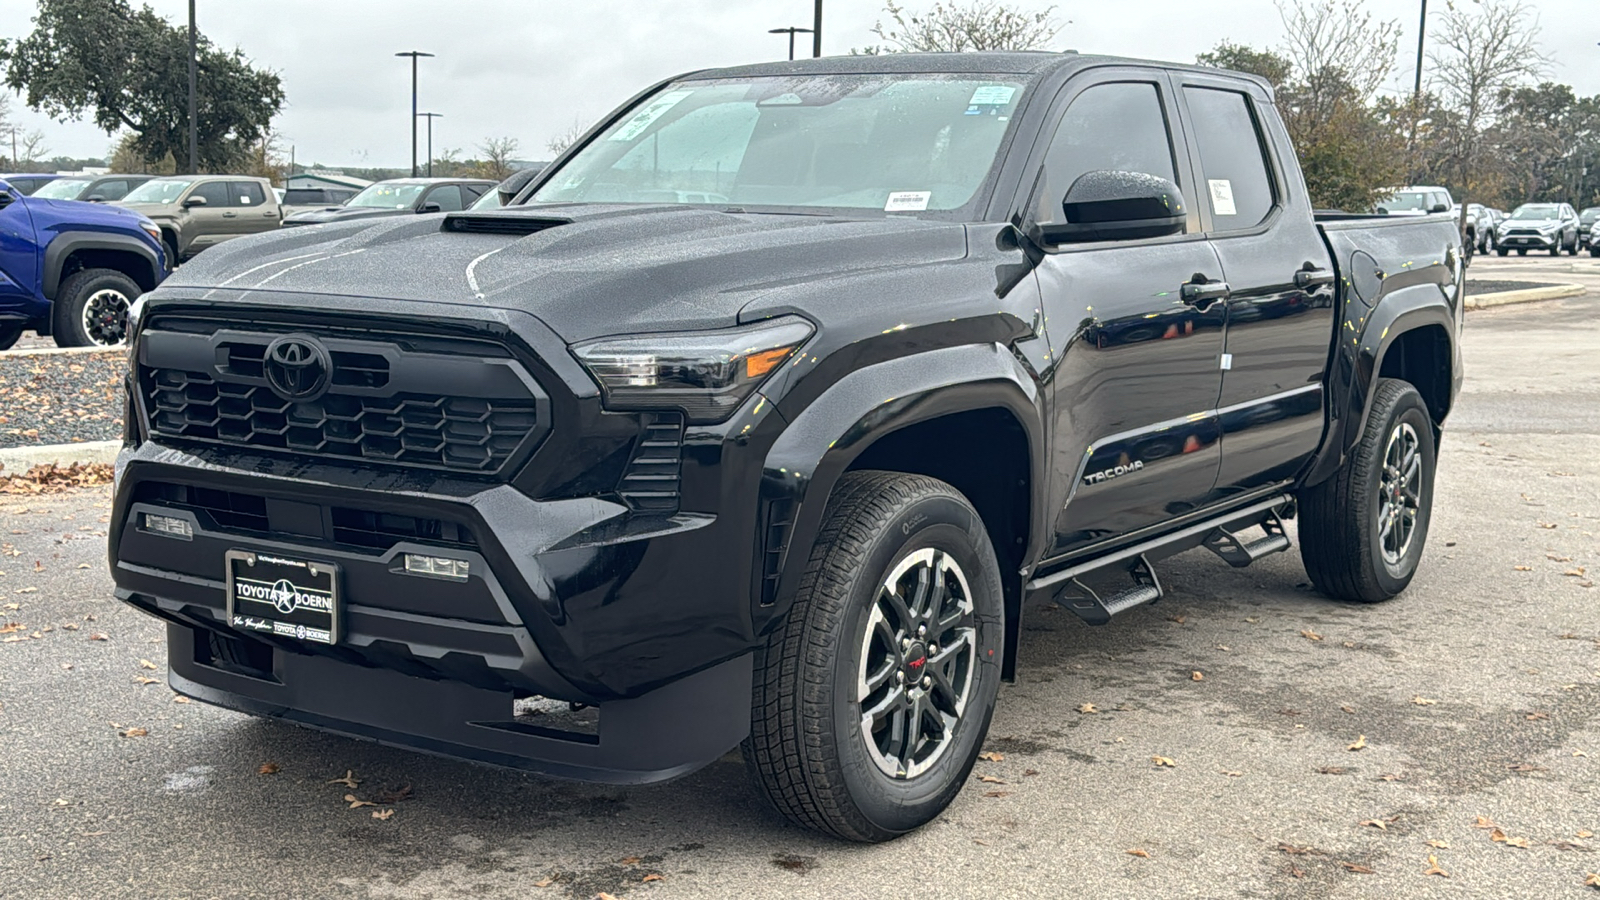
[[297, 367]]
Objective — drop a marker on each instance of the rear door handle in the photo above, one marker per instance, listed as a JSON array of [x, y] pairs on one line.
[[230, 215], [1201, 294], [1305, 279]]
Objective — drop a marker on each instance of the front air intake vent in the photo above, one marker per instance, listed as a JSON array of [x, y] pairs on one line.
[[501, 224]]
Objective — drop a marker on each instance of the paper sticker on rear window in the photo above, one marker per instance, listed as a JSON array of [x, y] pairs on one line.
[[647, 114], [1222, 197], [992, 95], [908, 201]]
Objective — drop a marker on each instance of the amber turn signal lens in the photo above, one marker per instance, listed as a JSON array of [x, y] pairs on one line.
[[759, 364]]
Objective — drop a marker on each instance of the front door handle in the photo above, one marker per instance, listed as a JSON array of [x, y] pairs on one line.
[[1306, 279], [230, 215], [1202, 293]]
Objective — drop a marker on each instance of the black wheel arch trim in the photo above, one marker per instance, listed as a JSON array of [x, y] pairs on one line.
[[61, 249]]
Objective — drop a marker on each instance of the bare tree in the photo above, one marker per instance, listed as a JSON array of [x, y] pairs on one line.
[[559, 144], [1481, 52], [1323, 38], [31, 147], [497, 153], [953, 27]]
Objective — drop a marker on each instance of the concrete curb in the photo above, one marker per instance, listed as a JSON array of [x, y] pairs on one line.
[[1529, 295], [18, 460]]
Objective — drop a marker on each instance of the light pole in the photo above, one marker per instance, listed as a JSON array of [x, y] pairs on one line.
[[1422, 36], [430, 117], [791, 31], [414, 54], [194, 81], [816, 31]]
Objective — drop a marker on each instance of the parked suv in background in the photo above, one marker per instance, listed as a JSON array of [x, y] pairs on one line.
[[91, 188], [199, 211], [72, 270], [1587, 220], [296, 199], [1540, 226], [26, 184], [400, 197]]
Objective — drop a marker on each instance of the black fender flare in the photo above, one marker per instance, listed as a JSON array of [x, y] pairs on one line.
[[64, 245], [1364, 340], [814, 451]]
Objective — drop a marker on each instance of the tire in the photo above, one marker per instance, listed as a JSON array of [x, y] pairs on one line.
[[1594, 251], [170, 251], [1556, 250], [1521, 251], [808, 748], [9, 333], [1346, 550], [1502, 250], [91, 308]]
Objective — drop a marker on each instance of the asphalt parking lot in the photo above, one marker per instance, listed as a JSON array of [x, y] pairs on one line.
[[1444, 744]]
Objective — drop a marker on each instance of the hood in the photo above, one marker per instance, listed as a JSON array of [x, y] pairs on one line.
[[586, 271], [83, 212], [153, 210], [342, 214]]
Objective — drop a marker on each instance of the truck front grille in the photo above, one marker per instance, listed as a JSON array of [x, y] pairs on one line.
[[384, 402]]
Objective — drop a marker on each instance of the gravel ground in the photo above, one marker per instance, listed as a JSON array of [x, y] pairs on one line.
[[1494, 287], [60, 398]]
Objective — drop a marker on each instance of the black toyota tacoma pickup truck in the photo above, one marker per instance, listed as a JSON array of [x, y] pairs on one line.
[[761, 415]]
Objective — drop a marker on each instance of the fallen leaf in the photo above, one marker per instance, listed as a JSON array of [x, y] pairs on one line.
[[141, 679], [1331, 770], [1357, 869], [1433, 867], [179, 698], [133, 732], [1593, 880], [13, 627], [267, 768], [27, 590], [992, 756], [1523, 568], [544, 882], [998, 794], [1547, 524], [1349, 709], [1142, 854], [1179, 619], [1554, 558], [1310, 635], [1483, 822], [630, 860], [98, 636], [1197, 676], [1517, 842], [349, 780], [1536, 716], [1233, 774], [1163, 762], [146, 664], [651, 877], [604, 896], [1376, 823], [1391, 776], [1252, 619], [1088, 709], [1029, 772], [1360, 743], [381, 815], [990, 779], [357, 804], [1585, 834], [1576, 572], [1422, 701], [1292, 850], [1439, 845]]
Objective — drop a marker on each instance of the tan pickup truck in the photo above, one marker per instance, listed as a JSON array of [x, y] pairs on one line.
[[200, 211]]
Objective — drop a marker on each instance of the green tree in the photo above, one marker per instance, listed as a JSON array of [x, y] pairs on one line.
[[128, 70]]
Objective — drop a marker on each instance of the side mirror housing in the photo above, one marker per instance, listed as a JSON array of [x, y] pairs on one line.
[[1440, 207], [95, 198], [1108, 205], [429, 207], [191, 202]]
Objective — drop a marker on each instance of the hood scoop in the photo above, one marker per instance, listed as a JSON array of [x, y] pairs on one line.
[[520, 226]]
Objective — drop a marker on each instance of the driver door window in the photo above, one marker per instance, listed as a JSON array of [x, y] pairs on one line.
[[448, 197], [1120, 126]]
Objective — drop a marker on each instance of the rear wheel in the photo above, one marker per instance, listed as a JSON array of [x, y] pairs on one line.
[[9, 332], [91, 308], [1362, 531], [1522, 251], [873, 698], [1502, 250]]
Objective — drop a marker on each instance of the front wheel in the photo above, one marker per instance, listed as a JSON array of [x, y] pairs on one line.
[[873, 698], [1522, 251], [1502, 250], [91, 308], [9, 333], [1362, 531]]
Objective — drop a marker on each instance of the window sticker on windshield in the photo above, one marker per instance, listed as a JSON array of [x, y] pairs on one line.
[[992, 95], [908, 201], [1222, 197], [652, 111]]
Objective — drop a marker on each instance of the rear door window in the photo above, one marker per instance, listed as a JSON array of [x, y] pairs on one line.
[[247, 193], [1238, 186]]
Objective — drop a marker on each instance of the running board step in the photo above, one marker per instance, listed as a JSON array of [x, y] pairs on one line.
[[1237, 552], [1096, 610]]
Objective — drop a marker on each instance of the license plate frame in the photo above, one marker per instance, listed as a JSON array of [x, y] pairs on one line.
[[289, 598]]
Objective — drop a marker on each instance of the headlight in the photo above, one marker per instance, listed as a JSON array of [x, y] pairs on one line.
[[707, 374], [151, 229]]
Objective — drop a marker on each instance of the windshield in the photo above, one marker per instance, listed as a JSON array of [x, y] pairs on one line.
[[160, 190], [388, 196], [489, 200], [1590, 215], [63, 189], [1536, 213], [1406, 201], [896, 143]]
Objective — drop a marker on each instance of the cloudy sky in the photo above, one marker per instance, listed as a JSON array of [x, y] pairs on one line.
[[528, 68]]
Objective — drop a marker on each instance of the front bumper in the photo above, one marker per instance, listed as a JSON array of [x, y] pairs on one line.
[[1530, 241]]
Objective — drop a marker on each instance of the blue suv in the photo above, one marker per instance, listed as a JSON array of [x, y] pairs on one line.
[[71, 269]]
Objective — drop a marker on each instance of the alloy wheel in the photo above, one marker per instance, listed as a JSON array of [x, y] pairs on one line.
[[918, 659], [105, 317], [1399, 493]]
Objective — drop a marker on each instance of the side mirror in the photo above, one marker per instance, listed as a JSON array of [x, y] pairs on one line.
[[6, 197], [95, 198], [1440, 207], [429, 207], [1107, 205], [193, 202]]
